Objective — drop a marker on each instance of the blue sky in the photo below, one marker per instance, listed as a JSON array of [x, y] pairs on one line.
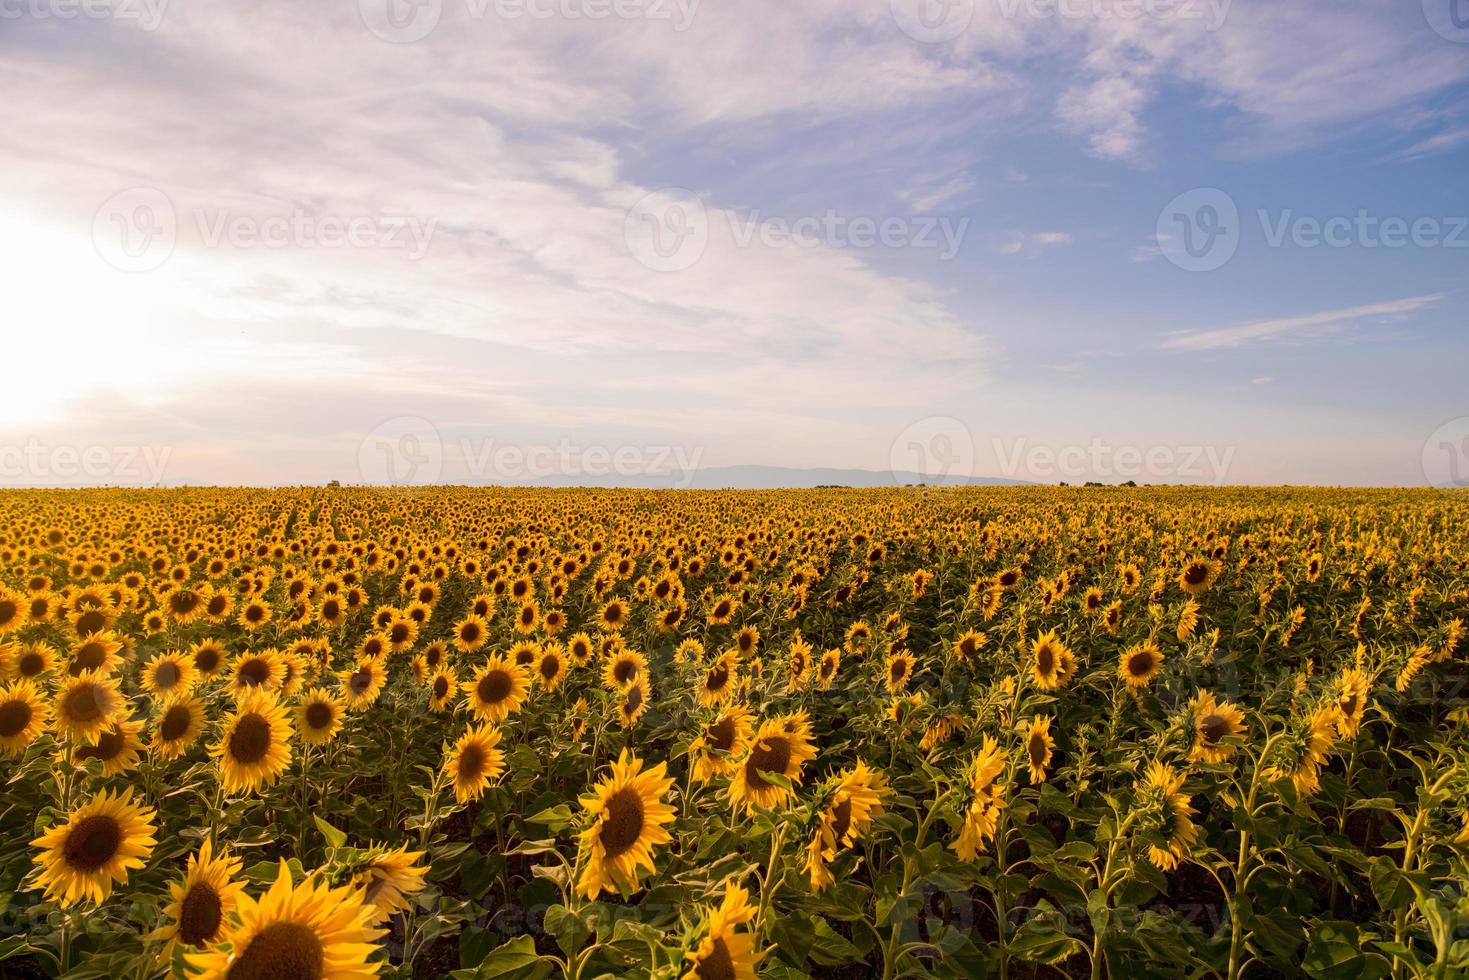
[[175, 175]]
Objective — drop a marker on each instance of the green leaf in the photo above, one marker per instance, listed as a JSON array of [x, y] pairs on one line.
[[554, 819], [515, 960], [333, 836]]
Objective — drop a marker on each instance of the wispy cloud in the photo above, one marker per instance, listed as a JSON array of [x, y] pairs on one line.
[[1295, 327]]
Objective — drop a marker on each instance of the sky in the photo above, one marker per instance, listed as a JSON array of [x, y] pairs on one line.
[[1177, 241]]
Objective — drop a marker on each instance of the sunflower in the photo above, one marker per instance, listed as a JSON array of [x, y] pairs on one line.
[[470, 634], [634, 702], [987, 799], [118, 748], [169, 676], [87, 705], [1215, 722], [1052, 662], [441, 691], [723, 740], [96, 652], [33, 660], [718, 683], [579, 718], [1140, 664], [363, 684], [308, 930], [580, 648], [498, 690], [898, 671], [253, 615], [1162, 814], [725, 952], [723, 610], [613, 616], [1351, 690], [319, 716], [99, 843], [23, 716], [200, 903], [474, 762], [1038, 747], [627, 816], [969, 645], [254, 745], [623, 668], [1197, 576], [550, 666], [387, 879], [177, 727], [1300, 755], [208, 657], [772, 750], [250, 671], [851, 801]]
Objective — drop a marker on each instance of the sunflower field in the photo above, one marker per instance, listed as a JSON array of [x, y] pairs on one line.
[[918, 732]]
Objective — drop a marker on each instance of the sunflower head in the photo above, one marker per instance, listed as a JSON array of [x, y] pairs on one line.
[[1162, 819], [1138, 665], [626, 820], [497, 691], [24, 715], [201, 902], [254, 746], [474, 762], [772, 751], [1217, 726], [100, 842]]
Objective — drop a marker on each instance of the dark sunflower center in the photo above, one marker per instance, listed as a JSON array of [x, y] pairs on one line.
[[109, 744], [624, 671], [207, 659], [722, 734], [1195, 574], [622, 821], [1140, 663], [469, 632], [200, 915], [841, 819], [318, 715], [91, 621], [31, 664], [1045, 659], [82, 704], [770, 755], [92, 843], [217, 605], [550, 667], [360, 682], [634, 699], [399, 633], [175, 723], [716, 964], [166, 675], [254, 672], [281, 951], [718, 677], [250, 741], [494, 687], [1350, 705], [14, 717], [1213, 728], [471, 762], [89, 657], [1036, 748], [183, 602], [897, 670]]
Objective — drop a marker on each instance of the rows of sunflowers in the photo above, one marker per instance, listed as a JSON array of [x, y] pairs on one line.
[[346, 732]]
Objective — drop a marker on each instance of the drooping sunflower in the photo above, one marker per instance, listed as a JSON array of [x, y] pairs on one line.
[[387, 879], [363, 684], [474, 762], [24, 715], [87, 705], [1197, 576], [310, 930], [718, 682], [169, 676], [724, 951], [1215, 723], [1303, 750], [1140, 664], [1351, 690], [772, 750], [100, 842], [1038, 747], [1052, 662], [176, 728], [254, 745], [1163, 816], [987, 799], [634, 702], [200, 903], [826, 671], [319, 716], [579, 718], [627, 816], [118, 748], [497, 691], [852, 799]]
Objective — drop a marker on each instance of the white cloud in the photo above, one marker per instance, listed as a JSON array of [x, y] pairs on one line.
[[1295, 327]]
